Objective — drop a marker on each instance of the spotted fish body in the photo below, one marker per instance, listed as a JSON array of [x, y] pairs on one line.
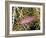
[[27, 19]]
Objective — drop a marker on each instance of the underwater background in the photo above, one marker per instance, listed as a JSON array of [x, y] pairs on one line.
[[25, 18]]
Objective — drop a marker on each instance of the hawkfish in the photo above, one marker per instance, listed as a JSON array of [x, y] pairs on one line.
[[27, 19]]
